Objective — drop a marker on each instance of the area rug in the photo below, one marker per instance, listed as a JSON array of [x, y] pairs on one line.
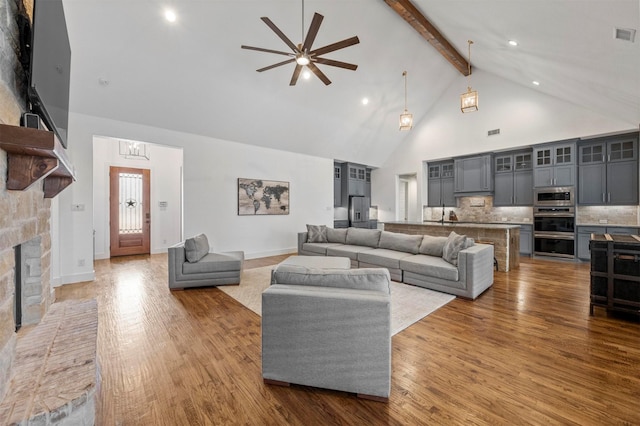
[[409, 304]]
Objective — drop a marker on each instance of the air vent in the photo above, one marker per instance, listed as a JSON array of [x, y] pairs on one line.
[[625, 34], [493, 132]]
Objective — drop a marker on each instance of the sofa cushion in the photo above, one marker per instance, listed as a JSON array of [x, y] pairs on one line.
[[374, 279], [196, 248], [319, 248], [213, 262], [316, 234], [400, 242], [345, 250], [337, 235], [383, 257], [430, 266], [452, 247], [363, 237], [432, 246]]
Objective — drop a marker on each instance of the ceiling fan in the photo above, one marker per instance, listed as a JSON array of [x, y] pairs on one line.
[[302, 54]]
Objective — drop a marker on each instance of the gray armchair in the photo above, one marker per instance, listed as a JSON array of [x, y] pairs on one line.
[[191, 265], [328, 328]]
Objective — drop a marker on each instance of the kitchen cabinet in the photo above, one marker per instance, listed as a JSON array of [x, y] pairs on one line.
[[513, 179], [584, 236], [554, 164], [367, 183], [608, 171], [356, 179], [440, 184], [473, 175], [337, 185], [526, 239]]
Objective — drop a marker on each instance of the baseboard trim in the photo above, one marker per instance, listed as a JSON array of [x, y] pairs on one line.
[[75, 278], [256, 255]]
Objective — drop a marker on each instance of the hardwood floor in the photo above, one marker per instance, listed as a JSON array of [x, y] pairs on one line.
[[525, 352]]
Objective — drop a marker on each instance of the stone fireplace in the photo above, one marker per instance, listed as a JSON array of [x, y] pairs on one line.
[[24, 215]]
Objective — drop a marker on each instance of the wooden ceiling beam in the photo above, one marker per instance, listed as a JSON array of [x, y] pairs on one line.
[[420, 23]]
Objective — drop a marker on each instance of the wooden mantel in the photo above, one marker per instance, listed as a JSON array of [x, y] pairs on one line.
[[34, 154]]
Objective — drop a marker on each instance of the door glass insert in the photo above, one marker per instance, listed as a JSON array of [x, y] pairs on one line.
[[543, 157], [621, 151], [503, 164], [563, 155], [434, 171], [522, 161], [447, 170], [131, 203]]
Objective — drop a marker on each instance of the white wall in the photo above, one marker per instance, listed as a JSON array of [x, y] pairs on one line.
[[524, 117], [165, 164], [211, 170]]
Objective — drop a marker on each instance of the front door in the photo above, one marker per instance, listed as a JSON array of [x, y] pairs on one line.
[[130, 217]]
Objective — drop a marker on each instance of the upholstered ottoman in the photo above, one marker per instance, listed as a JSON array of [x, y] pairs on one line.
[[311, 262]]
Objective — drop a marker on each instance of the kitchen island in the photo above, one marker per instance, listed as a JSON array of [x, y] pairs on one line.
[[504, 238]]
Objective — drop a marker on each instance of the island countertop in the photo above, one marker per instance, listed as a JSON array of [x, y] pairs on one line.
[[504, 238], [452, 224]]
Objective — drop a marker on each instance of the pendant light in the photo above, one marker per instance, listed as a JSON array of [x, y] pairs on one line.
[[469, 100], [406, 118]]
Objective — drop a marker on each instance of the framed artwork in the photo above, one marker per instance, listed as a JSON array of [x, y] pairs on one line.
[[262, 197]]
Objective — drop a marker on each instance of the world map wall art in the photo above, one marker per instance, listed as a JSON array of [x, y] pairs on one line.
[[260, 197]]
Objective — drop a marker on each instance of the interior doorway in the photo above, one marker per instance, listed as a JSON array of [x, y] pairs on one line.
[[407, 208], [130, 212]]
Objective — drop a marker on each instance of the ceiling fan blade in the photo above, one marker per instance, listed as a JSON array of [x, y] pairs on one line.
[[319, 73], [296, 74], [279, 33], [313, 31], [338, 64], [260, 49], [288, 61], [335, 46]]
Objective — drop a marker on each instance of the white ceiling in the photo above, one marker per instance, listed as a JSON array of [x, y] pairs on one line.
[[191, 76]]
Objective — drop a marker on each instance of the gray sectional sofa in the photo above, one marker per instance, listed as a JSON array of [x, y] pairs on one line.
[[454, 264]]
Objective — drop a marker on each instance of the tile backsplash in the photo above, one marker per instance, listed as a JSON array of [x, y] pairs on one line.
[[481, 209]]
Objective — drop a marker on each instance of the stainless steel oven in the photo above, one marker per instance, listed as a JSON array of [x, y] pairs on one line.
[[554, 231], [554, 196]]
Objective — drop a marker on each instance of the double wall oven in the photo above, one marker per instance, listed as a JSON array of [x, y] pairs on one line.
[[554, 221]]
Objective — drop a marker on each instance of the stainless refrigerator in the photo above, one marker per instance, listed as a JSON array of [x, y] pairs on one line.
[[359, 211]]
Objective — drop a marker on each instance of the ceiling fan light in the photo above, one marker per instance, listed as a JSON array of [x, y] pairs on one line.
[[406, 120], [469, 101], [302, 59]]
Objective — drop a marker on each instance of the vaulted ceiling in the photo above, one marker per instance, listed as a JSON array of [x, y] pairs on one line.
[[132, 65]]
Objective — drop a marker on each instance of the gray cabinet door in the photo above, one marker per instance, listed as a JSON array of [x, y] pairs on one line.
[[526, 239], [447, 197], [503, 195], [584, 235], [434, 197], [522, 188], [564, 175], [543, 176], [593, 184], [622, 183], [337, 185]]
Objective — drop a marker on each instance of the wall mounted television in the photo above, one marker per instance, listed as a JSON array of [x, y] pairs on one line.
[[49, 67]]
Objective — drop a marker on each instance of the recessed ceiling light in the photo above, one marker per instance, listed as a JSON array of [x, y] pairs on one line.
[[513, 43], [535, 83], [365, 101], [170, 15], [306, 75]]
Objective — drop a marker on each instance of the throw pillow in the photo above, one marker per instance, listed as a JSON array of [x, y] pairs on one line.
[[400, 242], [432, 246], [316, 234], [196, 248], [452, 247], [337, 235], [363, 237]]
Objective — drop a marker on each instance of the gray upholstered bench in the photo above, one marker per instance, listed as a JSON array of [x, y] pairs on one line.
[[192, 265]]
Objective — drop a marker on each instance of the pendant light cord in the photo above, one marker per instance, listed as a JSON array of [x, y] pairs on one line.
[[404, 74], [469, 66], [302, 38]]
